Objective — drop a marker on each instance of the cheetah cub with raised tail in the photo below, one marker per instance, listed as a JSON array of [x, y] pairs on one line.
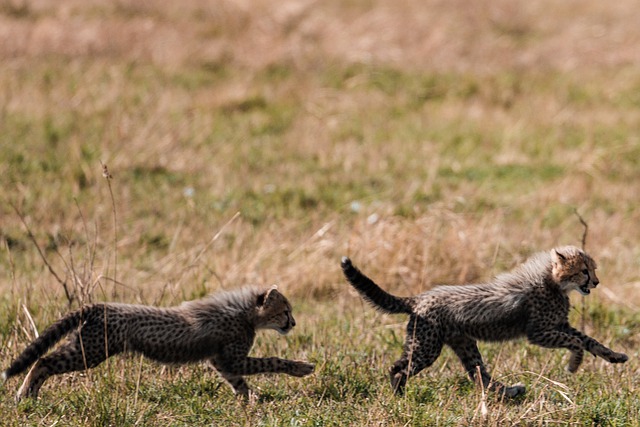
[[530, 301], [220, 329]]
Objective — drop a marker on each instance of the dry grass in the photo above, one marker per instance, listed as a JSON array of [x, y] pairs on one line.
[[257, 142], [481, 37]]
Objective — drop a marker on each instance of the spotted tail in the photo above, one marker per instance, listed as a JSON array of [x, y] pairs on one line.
[[371, 292], [44, 342]]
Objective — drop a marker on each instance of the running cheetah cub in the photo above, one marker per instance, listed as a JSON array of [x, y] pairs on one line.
[[530, 301], [219, 328]]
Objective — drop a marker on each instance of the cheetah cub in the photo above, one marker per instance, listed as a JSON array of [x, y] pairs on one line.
[[530, 301], [219, 328]]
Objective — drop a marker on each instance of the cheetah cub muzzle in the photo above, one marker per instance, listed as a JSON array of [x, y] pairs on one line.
[[219, 329], [530, 301]]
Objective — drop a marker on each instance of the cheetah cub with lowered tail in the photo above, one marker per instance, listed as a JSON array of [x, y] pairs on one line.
[[219, 328], [530, 301]]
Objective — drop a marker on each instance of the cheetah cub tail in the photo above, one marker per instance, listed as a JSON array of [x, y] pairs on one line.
[[44, 342], [372, 293]]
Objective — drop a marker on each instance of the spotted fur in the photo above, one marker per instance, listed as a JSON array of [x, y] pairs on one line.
[[220, 328], [530, 301]]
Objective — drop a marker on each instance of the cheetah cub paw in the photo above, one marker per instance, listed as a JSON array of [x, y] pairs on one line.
[[618, 358], [301, 369], [515, 390]]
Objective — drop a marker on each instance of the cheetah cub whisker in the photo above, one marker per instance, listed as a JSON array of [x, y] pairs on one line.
[[530, 301], [219, 328]]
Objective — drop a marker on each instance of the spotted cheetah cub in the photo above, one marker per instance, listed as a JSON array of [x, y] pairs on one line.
[[530, 301], [219, 328]]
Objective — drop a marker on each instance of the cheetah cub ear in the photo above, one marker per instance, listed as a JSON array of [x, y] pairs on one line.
[[557, 257], [267, 297], [558, 263]]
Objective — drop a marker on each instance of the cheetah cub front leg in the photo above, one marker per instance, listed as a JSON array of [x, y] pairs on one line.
[[592, 346], [577, 342], [575, 360], [232, 370]]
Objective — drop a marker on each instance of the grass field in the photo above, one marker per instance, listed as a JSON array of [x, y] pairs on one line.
[[258, 142]]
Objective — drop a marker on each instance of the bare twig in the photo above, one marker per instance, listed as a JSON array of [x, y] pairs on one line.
[[135, 398], [214, 238], [31, 322], [583, 319], [107, 175], [319, 233], [87, 268], [67, 293], [586, 228], [482, 407], [70, 269], [86, 234]]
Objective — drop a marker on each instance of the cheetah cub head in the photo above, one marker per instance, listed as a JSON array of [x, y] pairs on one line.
[[573, 269], [274, 312]]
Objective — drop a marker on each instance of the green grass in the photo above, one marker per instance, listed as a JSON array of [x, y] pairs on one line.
[[259, 145], [352, 348]]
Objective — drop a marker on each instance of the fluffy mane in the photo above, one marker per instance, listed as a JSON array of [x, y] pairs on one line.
[[532, 272], [231, 302], [503, 295]]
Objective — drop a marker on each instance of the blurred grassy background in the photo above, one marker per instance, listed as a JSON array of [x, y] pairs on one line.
[[258, 141]]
